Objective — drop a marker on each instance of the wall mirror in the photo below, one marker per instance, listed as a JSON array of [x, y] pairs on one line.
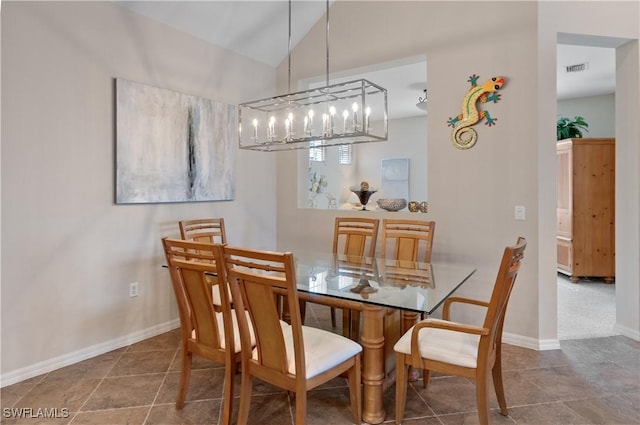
[[326, 174]]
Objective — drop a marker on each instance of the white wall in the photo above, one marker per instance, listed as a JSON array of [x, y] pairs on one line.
[[628, 189], [598, 112], [472, 193], [602, 24], [69, 253], [407, 139]]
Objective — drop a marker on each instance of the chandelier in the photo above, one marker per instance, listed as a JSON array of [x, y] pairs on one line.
[[339, 114]]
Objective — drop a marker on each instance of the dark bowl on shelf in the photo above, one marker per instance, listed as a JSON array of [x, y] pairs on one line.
[[363, 195]]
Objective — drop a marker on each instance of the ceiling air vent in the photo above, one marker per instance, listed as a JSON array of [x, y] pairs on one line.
[[577, 67]]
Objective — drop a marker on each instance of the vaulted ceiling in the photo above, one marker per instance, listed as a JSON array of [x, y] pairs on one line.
[[259, 30]]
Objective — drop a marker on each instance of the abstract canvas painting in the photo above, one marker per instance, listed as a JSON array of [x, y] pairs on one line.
[[172, 147]]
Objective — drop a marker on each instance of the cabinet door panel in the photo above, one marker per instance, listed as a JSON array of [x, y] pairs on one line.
[[564, 256], [564, 192]]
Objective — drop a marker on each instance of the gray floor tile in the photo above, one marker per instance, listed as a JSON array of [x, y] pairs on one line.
[[593, 381], [622, 410], [194, 412], [126, 416], [124, 391]]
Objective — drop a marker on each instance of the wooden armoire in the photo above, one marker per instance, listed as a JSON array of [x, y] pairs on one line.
[[586, 208]]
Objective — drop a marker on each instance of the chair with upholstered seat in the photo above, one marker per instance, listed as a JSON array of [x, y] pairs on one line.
[[205, 230], [407, 240], [459, 349], [295, 358], [206, 331], [209, 230], [353, 236]]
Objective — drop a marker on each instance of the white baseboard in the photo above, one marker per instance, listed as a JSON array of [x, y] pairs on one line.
[[554, 344], [58, 362], [628, 332], [531, 343]]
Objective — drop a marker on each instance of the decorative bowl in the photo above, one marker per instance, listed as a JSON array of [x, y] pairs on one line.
[[392, 204], [363, 194]]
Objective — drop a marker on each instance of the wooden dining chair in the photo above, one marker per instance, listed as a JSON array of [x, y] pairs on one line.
[[205, 331], [407, 240], [353, 236], [296, 358], [460, 349], [210, 230], [205, 230]]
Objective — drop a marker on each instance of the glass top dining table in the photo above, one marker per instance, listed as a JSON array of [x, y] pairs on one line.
[[377, 287], [380, 289], [405, 285]]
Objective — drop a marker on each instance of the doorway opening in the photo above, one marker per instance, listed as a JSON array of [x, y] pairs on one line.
[[585, 88]]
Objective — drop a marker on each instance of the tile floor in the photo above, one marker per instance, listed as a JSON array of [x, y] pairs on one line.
[[589, 381]]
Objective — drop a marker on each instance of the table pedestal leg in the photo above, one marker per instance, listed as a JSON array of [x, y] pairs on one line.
[[408, 320], [373, 372]]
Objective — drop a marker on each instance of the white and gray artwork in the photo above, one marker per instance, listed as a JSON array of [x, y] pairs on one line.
[[172, 147], [395, 178]]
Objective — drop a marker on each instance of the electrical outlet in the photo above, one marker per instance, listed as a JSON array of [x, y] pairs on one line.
[[133, 289], [519, 212]]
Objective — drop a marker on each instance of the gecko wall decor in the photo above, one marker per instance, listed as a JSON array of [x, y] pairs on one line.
[[462, 135]]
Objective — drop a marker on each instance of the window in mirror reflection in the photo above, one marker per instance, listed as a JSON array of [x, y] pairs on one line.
[[316, 151], [345, 153], [330, 171]]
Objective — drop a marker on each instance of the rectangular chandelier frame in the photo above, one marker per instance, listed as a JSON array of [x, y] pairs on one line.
[[339, 114]]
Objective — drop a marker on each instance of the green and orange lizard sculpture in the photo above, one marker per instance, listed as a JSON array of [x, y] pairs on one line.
[[462, 135]]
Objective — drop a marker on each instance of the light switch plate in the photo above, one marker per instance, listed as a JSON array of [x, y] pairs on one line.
[[519, 212]]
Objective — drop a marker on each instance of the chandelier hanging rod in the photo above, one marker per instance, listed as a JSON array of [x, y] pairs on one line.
[[326, 45], [327, 41]]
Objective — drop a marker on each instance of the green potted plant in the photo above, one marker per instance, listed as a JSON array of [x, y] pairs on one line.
[[568, 128]]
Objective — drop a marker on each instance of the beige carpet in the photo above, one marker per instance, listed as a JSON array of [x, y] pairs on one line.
[[586, 309]]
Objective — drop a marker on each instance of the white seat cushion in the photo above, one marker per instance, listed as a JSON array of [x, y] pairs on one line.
[[215, 294], [443, 345], [215, 290], [322, 349], [236, 332]]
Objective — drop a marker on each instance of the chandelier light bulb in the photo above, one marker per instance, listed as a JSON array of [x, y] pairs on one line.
[[345, 116], [355, 116], [367, 112]]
